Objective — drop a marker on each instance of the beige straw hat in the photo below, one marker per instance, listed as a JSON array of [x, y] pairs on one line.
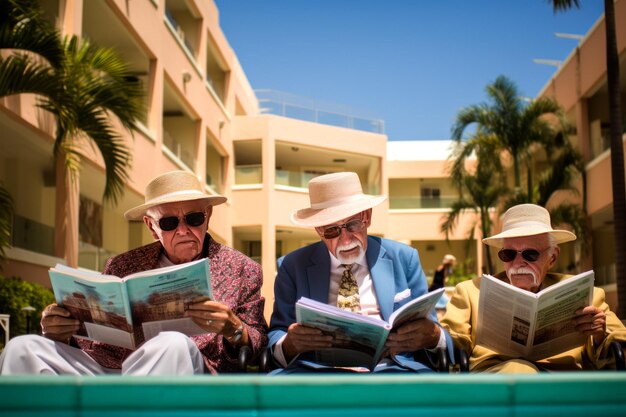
[[527, 220], [334, 197], [172, 187], [449, 259]]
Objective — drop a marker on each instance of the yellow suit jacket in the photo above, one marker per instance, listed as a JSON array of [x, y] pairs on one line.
[[462, 313]]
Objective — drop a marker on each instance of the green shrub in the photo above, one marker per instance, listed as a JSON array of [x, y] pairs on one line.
[[462, 272], [16, 294]]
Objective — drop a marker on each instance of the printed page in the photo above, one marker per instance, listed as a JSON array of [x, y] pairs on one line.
[[184, 325], [101, 303], [555, 332], [416, 309], [165, 294], [349, 330], [505, 317], [110, 335]]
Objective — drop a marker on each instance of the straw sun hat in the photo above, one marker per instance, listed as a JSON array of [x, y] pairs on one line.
[[334, 197], [173, 187], [527, 220]]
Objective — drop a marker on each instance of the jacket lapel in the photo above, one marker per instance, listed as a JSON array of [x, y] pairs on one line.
[[381, 272], [318, 274]]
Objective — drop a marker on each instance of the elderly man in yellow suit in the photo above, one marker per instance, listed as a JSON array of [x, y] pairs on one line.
[[529, 249]]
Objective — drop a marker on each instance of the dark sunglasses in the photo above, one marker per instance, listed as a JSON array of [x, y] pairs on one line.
[[193, 219], [507, 255], [354, 225]]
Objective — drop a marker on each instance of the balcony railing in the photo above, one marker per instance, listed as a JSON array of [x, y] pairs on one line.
[[248, 174], [293, 178], [180, 33], [92, 257], [295, 107], [412, 203], [180, 151], [33, 236], [252, 174]]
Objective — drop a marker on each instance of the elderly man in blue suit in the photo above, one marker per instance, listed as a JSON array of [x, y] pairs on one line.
[[356, 272]]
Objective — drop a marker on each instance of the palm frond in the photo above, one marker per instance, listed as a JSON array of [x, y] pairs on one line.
[[562, 5], [6, 220], [18, 75], [23, 27]]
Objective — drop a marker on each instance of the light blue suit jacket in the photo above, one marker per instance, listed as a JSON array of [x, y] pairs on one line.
[[394, 267]]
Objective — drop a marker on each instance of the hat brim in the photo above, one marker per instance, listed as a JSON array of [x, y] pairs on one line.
[[322, 217], [497, 241], [138, 212]]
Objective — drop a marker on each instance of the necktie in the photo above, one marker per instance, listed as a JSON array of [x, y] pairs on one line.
[[348, 296]]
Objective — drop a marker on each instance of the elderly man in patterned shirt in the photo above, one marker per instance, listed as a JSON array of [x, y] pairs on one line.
[[177, 213]]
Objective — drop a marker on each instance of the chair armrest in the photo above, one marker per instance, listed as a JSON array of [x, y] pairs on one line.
[[443, 363], [265, 361], [462, 359], [244, 359], [618, 354]]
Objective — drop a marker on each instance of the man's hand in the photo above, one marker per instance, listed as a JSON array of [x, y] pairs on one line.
[[412, 336], [215, 317], [57, 324], [303, 339], [591, 321]]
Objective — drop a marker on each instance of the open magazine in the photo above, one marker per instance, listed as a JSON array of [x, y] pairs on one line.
[[127, 311], [519, 323], [358, 340]]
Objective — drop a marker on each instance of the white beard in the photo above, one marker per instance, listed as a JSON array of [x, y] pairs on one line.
[[352, 259], [522, 270]]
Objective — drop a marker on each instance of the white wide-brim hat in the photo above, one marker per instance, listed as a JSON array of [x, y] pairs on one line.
[[334, 197], [173, 187], [527, 220]]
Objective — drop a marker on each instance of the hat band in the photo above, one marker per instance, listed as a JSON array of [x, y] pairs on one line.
[[176, 193], [529, 224], [337, 201]]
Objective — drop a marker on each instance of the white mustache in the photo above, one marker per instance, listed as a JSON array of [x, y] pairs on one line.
[[347, 247], [521, 270]]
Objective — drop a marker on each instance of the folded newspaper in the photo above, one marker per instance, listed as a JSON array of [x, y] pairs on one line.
[[519, 323], [126, 311], [358, 340]]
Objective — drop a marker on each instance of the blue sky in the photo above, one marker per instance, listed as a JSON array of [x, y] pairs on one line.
[[413, 63]]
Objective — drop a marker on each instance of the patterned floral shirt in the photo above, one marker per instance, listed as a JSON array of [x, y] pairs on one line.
[[236, 281]]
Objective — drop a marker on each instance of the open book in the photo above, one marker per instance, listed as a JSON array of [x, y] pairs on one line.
[[126, 311], [358, 340], [519, 323]]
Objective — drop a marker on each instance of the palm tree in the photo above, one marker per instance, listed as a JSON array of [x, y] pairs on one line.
[[83, 86], [617, 150], [93, 84], [564, 167], [516, 124], [480, 189], [513, 127]]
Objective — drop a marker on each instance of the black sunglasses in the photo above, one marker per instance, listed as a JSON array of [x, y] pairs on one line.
[[193, 219], [354, 225], [507, 255]]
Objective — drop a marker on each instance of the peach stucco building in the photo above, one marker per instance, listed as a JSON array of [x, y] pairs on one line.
[[203, 116]]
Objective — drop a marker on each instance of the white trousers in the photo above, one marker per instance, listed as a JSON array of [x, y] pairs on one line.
[[169, 353]]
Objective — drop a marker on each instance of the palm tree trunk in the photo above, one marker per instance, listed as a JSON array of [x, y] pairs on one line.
[[485, 228], [518, 181], [617, 156], [66, 209]]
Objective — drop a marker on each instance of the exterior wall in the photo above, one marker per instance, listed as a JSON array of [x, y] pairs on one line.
[[580, 86], [140, 27]]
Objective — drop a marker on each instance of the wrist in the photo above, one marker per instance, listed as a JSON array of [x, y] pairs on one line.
[[236, 335]]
